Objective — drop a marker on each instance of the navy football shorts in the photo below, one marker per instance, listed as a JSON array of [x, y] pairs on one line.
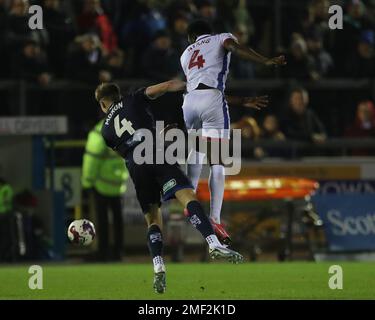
[[156, 182]]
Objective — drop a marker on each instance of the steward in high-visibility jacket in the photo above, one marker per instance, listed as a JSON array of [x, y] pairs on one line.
[[6, 197], [103, 169], [105, 174]]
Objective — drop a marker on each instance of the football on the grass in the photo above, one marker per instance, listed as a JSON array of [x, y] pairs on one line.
[[81, 232]]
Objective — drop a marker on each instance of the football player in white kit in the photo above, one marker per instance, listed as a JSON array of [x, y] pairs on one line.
[[206, 63]]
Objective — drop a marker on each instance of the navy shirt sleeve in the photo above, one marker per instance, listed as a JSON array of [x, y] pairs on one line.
[[141, 95]]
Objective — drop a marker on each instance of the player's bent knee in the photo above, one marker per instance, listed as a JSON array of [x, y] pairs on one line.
[[185, 196]]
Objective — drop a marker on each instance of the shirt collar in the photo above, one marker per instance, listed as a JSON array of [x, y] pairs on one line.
[[110, 107], [113, 104], [202, 36]]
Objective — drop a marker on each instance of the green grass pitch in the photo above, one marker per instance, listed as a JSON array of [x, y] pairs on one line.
[[293, 280]]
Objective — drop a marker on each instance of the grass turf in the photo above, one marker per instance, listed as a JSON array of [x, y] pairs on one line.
[[191, 281]]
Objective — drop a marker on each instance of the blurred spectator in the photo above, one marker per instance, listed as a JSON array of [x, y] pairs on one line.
[[364, 124], [179, 39], [271, 131], [85, 62], [207, 11], [17, 27], [61, 32], [116, 66], [301, 123], [318, 16], [355, 21], [160, 61], [308, 18], [231, 13], [240, 68], [321, 60], [242, 16], [115, 9], [187, 6], [250, 130], [300, 63], [93, 19], [139, 29], [357, 17], [31, 64], [270, 128], [362, 62]]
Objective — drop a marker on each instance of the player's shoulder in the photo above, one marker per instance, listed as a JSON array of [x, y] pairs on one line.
[[221, 37]]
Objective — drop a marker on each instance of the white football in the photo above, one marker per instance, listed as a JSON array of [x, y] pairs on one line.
[[81, 232]]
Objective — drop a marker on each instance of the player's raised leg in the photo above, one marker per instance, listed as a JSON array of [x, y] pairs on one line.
[[207, 110], [155, 244], [216, 184], [197, 217]]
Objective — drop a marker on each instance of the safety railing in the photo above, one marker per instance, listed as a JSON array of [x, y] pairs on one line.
[[18, 96]]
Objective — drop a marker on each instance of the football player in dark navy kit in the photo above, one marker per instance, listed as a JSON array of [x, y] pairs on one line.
[[125, 117]]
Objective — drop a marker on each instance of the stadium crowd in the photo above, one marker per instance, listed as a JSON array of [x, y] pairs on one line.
[[94, 41]]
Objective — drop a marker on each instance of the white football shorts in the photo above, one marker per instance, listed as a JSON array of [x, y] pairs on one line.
[[207, 109]]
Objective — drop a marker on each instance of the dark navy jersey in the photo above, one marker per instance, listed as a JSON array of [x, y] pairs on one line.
[[124, 119]]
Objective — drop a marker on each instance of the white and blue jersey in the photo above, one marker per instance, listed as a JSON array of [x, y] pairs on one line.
[[207, 62]]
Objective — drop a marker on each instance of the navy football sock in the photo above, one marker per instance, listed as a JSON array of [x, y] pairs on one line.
[[155, 240], [198, 218], [155, 245]]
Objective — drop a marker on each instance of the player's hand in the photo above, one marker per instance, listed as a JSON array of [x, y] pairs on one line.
[[276, 61], [257, 103]]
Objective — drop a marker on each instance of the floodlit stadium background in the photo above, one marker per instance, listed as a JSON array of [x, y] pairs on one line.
[[50, 75]]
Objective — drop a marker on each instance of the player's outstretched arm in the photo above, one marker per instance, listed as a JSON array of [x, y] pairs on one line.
[[257, 103], [251, 55], [158, 90]]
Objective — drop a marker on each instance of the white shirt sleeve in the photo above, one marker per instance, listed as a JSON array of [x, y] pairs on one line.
[[225, 36]]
